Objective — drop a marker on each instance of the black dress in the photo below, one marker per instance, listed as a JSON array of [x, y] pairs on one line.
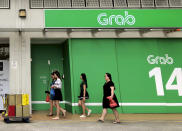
[[107, 92], [58, 93], [82, 91]]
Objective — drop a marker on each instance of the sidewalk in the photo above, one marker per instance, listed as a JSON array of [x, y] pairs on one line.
[[42, 116], [129, 122]]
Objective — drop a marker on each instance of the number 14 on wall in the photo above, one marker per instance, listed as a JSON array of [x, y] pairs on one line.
[[177, 73]]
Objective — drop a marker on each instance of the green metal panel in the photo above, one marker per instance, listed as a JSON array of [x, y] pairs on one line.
[[135, 84], [129, 63], [40, 70], [94, 57], [113, 18], [67, 76], [133, 69]]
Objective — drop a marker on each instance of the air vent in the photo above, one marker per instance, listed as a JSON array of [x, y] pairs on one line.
[[78, 3], [92, 3], [106, 3], [175, 3], [99, 3], [50, 3], [120, 3], [147, 3], [36, 3], [4, 4], [134, 3], [64, 3], [161, 3]]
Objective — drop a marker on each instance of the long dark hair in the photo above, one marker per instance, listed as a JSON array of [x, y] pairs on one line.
[[57, 73], [84, 78], [109, 75]]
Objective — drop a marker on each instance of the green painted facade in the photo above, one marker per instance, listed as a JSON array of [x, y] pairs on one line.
[[133, 63], [40, 71], [113, 18]]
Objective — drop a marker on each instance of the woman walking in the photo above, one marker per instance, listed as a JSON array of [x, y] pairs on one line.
[[108, 90], [84, 95], [58, 95], [52, 94]]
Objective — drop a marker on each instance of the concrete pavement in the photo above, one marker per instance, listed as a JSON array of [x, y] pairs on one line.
[[129, 122]]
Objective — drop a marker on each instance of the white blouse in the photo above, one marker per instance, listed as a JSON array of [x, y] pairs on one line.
[[58, 83]]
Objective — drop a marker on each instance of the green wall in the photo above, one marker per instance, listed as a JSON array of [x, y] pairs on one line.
[[126, 60], [67, 79], [94, 57], [40, 73]]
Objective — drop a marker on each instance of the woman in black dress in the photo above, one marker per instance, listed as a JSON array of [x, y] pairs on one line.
[[58, 95], [84, 95], [108, 90]]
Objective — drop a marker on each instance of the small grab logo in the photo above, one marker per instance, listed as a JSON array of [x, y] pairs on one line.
[[104, 19], [160, 60]]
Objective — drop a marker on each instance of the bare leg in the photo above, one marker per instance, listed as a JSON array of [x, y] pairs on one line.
[[104, 112], [116, 114], [51, 107], [54, 103], [79, 103], [57, 106], [63, 111], [83, 107], [58, 110], [86, 108]]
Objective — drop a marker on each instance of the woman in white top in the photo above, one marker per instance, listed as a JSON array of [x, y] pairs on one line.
[[58, 95]]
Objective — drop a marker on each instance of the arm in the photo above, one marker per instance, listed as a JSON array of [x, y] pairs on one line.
[[84, 91], [112, 91]]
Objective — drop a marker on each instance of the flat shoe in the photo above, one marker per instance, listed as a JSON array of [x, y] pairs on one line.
[[56, 118], [115, 122], [82, 116], [89, 112], [50, 115], [101, 121]]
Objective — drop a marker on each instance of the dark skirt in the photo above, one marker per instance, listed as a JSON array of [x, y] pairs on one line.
[[58, 95], [81, 95], [105, 102]]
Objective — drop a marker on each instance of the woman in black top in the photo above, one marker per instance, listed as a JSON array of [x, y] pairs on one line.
[[108, 90], [52, 96], [83, 95]]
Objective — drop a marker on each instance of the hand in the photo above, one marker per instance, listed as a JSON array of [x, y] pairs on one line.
[[83, 98], [110, 97]]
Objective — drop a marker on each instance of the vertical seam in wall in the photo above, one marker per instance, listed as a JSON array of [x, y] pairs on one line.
[[20, 64], [29, 71], [10, 59], [118, 72], [71, 73]]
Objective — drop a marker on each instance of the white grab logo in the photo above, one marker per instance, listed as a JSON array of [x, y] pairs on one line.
[[104, 19], [160, 60]]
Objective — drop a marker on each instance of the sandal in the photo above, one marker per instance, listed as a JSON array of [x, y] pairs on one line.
[[55, 118], [116, 122], [100, 121], [50, 115]]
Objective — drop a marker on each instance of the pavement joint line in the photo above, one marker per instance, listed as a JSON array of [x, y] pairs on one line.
[[125, 121]]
